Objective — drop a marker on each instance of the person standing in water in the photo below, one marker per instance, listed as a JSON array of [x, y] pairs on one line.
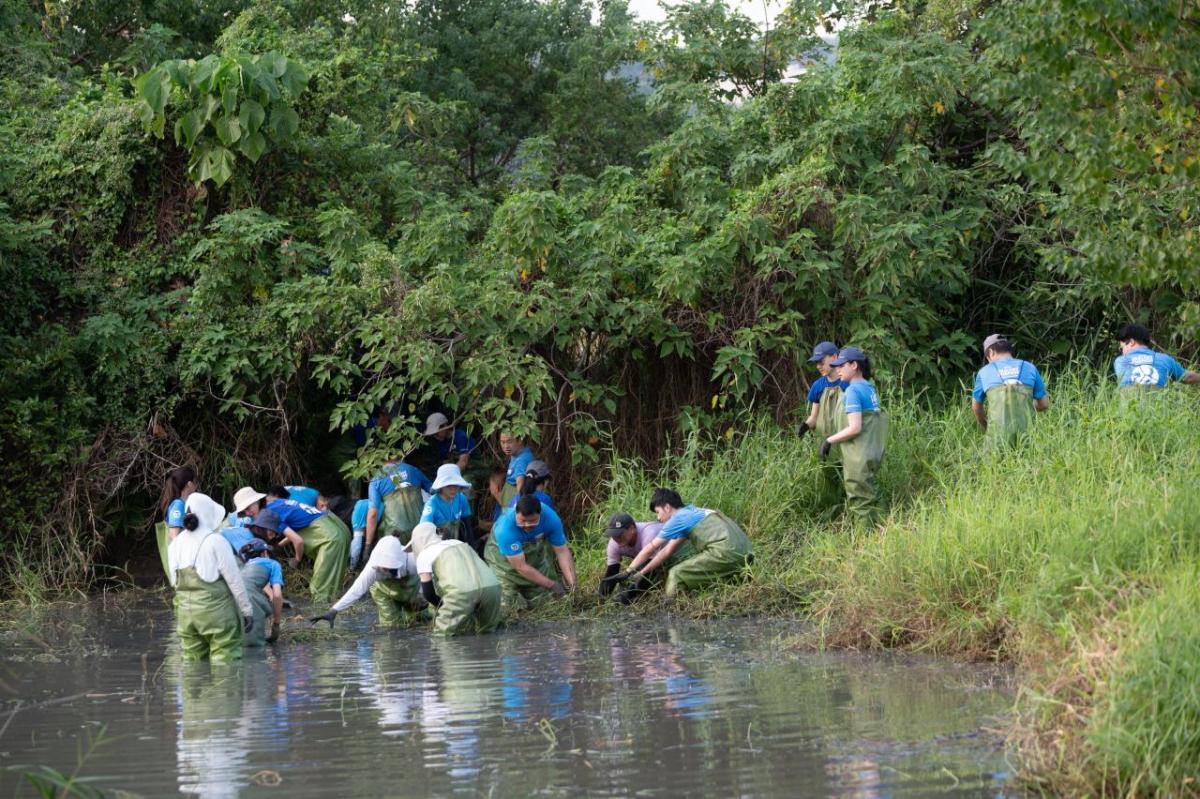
[[395, 501], [1013, 390], [212, 609], [454, 580], [862, 438], [447, 509], [179, 485], [824, 415], [1140, 367]]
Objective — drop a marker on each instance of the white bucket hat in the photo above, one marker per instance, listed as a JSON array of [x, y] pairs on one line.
[[388, 554], [245, 497], [423, 535], [436, 423], [449, 475], [207, 510]]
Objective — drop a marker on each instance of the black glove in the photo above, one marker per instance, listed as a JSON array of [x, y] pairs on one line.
[[329, 617], [558, 590], [639, 586], [274, 634], [801, 429], [431, 595], [824, 451], [247, 623], [613, 576]]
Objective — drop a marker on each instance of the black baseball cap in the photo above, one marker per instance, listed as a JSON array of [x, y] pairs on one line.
[[619, 523]]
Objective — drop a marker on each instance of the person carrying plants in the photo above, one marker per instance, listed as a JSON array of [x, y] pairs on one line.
[[1013, 390], [448, 509], [396, 499], [1139, 367], [449, 444], [626, 538], [519, 553], [179, 485], [317, 533], [862, 437], [390, 576], [263, 579], [824, 415], [696, 547], [535, 483], [212, 609], [456, 582]]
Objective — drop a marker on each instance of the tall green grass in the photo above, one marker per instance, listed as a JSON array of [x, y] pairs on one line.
[[1069, 555]]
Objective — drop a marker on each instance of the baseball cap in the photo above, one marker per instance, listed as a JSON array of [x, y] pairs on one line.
[[991, 341], [823, 349], [619, 523], [849, 354]]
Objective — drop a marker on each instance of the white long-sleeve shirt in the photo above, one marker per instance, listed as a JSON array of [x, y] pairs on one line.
[[371, 574], [212, 557]]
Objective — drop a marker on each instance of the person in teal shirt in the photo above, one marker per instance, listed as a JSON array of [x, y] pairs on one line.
[[863, 437], [447, 509], [519, 552], [1012, 389], [1141, 367], [519, 457]]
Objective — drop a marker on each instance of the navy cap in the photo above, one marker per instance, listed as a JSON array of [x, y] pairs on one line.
[[253, 548], [849, 354], [268, 519], [823, 349]]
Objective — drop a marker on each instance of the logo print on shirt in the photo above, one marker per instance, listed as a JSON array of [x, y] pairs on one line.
[[1145, 375]]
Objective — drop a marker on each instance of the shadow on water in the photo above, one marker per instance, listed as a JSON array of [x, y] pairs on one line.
[[649, 708]]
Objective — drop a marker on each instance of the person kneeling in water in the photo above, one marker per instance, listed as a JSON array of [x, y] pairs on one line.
[[263, 578], [391, 577], [455, 581]]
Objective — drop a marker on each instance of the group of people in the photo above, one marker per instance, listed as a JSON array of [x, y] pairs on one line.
[[429, 559]]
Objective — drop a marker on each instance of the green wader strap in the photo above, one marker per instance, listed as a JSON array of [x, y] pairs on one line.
[[402, 512], [207, 617], [162, 536], [718, 531], [1010, 412]]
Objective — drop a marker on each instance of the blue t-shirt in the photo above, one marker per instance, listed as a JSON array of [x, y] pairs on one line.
[[175, 512], [358, 518], [295, 515], [680, 524], [274, 570], [1008, 371], [438, 511], [511, 540], [396, 476], [818, 388], [860, 397], [1145, 367], [458, 444], [237, 537], [303, 494], [517, 465], [542, 497]]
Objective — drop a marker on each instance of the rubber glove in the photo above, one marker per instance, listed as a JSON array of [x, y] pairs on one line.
[[609, 582], [274, 634], [247, 623], [329, 617], [801, 429], [558, 590], [356, 550], [825, 447]]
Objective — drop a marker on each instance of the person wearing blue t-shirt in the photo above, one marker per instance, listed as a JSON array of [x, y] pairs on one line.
[[863, 437], [824, 416], [1012, 389], [450, 445], [180, 483], [519, 457], [304, 495], [448, 509], [536, 483], [263, 579], [358, 526], [1140, 367], [396, 498], [519, 551]]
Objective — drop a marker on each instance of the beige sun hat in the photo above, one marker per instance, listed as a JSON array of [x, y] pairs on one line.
[[245, 497], [423, 535], [449, 475], [436, 423]]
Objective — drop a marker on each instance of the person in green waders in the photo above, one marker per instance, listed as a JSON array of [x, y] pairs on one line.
[[448, 509], [179, 485], [824, 415], [519, 552], [1012, 389], [395, 501], [263, 578], [319, 534], [391, 578], [454, 580], [698, 546], [862, 437], [1140, 368], [212, 609], [519, 457]]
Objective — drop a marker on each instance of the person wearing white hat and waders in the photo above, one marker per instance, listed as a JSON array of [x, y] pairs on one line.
[[456, 582], [390, 576], [447, 509]]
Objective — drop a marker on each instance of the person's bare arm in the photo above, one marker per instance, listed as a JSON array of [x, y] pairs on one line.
[[520, 483], [645, 554], [811, 421], [980, 414], [1190, 377], [297, 543], [372, 524], [665, 551], [463, 461], [851, 430], [275, 594], [566, 564], [531, 574]]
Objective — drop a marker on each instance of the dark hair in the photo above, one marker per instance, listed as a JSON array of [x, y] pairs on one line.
[[191, 521], [1002, 346], [1136, 332], [864, 368], [173, 485], [531, 483], [279, 491], [265, 534], [665, 496], [529, 505]]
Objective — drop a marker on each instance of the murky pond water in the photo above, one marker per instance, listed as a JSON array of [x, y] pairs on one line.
[[649, 708]]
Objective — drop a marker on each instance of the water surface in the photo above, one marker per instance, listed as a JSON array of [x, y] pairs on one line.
[[648, 708]]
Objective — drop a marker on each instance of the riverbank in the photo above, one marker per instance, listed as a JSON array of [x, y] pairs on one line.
[[1074, 558]]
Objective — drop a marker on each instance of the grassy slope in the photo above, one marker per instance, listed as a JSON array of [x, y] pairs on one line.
[[1075, 557]]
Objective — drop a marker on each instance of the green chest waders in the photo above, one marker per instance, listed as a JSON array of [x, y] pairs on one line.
[[402, 512], [720, 548], [830, 416], [507, 492], [399, 601], [206, 618], [861, 459], [1010, 413], [451, 530], [514, 588], [327, 542], [469, 590], [255, 578], [163, 537]]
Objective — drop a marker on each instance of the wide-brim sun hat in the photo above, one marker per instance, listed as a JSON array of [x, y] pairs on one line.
[[423, 535], [210, 512], [389, 553], [245, 497], [448, 474], [436, 423]]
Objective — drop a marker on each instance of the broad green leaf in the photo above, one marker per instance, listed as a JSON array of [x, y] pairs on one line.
[[189, 127], [229, 100], [228, 130], [155, 88], [251, 116], [215, 164], [294, 78], [253, 145], [284, 123]]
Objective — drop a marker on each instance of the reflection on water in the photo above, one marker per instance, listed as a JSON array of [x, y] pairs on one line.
[[667, 708]]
